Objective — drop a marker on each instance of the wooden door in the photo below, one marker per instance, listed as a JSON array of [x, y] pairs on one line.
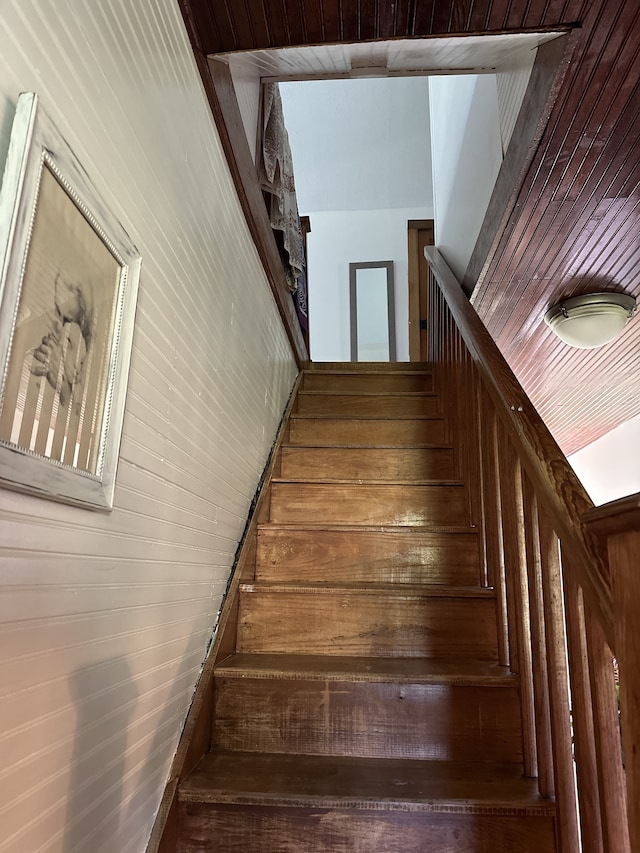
[[421, 234]]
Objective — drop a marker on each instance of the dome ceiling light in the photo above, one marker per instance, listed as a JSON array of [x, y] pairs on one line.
[[591, 320]]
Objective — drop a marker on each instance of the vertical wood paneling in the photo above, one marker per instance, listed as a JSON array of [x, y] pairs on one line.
[[104, 619]]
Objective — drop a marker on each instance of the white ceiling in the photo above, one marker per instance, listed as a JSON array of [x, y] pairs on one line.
[[468, 54]]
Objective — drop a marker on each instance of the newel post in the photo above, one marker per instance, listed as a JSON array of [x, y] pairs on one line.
[[618, 523]]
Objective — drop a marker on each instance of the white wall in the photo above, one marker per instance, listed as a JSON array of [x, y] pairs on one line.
[[352, 236], [609, 467], [466, 151], [361, 151], [512, 80], [359, 144], [246, 83], [105, 617]]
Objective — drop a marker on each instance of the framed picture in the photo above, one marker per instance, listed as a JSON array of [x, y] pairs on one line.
[[68, 286]]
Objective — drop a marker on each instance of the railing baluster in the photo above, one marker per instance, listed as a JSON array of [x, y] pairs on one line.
[[515, 557], [487, 573], [539, 650], [611, 781], [582, 715], [556, 643], [493, 525]]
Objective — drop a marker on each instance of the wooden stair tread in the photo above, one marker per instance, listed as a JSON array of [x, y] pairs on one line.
[[368, 366], [412, 395], [387, 590], [314, 416], [365, 481], [353, 668], [329, 416], [419, 370], [410, 530], [381, 446], [362, 783]]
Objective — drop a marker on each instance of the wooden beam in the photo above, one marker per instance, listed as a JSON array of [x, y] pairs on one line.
[[224, 106], [218, 87], [549, 69]]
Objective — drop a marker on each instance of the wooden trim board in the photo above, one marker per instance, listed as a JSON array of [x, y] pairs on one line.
[[218, 87], [549, 69]]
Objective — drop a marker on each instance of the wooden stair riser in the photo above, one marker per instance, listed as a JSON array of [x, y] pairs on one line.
[[357, 623], [367, 463], [372, 405], [330, 503], [363, 556], [369, 720], [251, 829], [335, 432], [368, 382]]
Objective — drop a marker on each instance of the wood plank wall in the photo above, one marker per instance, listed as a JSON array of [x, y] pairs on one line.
[[105, 618]]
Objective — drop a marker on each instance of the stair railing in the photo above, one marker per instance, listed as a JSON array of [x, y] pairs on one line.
[[558, 622]]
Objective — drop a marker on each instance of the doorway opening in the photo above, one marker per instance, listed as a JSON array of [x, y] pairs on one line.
[[502, 68]]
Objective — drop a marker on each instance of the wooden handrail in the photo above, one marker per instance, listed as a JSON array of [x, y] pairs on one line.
[[562, 605], [556, 485]]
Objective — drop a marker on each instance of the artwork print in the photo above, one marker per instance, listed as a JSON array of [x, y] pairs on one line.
[[53, 403], [69, 276]]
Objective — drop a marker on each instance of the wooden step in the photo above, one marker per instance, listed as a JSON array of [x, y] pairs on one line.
[[356, 503], [353, 383], [372, 405], [262, 803], [375, 620], [361, 555], [369, 367], [369, 432], [280, 706], [352, 783], [463, 673], [368, 463]]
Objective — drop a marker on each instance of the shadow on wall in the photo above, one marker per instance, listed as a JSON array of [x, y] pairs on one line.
[[107, 700]]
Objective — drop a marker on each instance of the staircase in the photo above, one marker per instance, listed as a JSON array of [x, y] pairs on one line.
[[363, 707]]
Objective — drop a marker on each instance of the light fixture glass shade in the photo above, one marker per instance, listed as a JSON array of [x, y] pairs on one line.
[[591, 320]]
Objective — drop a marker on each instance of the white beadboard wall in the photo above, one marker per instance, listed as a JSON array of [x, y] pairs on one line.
[[104, 618], [512, 80], [246, 82]]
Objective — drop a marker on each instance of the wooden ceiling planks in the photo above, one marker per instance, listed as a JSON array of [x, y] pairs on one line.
[[577, 231], [261, 24], [576, 222]]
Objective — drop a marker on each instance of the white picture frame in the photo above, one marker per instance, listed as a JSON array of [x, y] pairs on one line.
[[69, 276]]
